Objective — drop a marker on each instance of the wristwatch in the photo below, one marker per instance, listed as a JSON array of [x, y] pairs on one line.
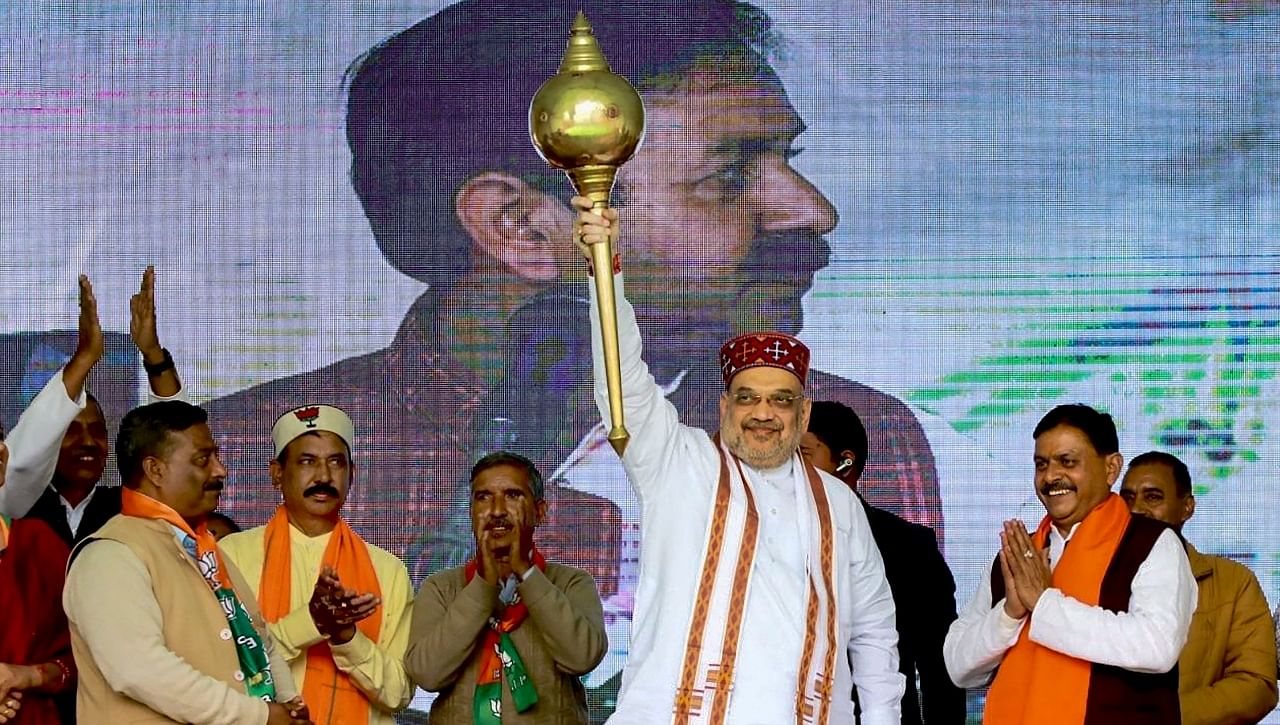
[[157, 368]]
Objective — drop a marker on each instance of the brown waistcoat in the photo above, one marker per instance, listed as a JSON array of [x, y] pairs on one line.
[[194, 627]]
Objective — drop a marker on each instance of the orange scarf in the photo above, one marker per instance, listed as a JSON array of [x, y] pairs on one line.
[[1034, 683], [208, 557], [328, 691]]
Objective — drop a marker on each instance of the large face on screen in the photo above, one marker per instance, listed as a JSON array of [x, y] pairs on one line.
[[1072, 478], [721, 234]]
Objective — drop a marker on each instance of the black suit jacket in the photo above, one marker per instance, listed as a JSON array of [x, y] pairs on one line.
[[924, 594]]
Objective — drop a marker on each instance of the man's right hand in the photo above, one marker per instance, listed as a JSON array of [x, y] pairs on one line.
[[278, 714], [495, 565], [1012, 604], [591, 227], [89, 345]]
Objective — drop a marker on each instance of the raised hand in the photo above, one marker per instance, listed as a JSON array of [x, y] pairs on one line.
[[142, 319], [161, 374], [89, 344], [591, 227], [495, 565], [1012, 603]]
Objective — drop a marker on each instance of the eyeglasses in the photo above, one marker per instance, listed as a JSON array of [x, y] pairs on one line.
[[777, 401]]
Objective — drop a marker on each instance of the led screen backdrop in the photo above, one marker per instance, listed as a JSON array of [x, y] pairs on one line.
[[1007, 206]]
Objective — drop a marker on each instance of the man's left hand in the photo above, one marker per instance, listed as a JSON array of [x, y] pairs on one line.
[[298, 710], [1028, 563], [519, 559], [142, 319]]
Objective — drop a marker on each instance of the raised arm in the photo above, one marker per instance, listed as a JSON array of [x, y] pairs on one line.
[[1148, 637], [977, 641], [651, 419], [35, 442], [162, 375]]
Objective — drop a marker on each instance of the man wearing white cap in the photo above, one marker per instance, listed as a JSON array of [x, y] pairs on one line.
[[338, 607]]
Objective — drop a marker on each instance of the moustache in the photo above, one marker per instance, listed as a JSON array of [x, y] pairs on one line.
[[752, 424], [215, 485], [323, 488], [787, 255], [1053, 486]]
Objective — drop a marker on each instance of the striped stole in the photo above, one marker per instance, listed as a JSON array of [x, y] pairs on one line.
[[708, 669]]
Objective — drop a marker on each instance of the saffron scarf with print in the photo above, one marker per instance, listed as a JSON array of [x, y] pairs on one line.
[[328, 691], [258, 681], [1034, 683], [498, 653]]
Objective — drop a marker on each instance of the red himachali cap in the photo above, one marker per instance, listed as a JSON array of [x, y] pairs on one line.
[[764, 349]]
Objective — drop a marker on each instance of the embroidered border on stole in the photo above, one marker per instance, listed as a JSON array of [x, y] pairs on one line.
[[823, 680], [688, 700], [722, 675]]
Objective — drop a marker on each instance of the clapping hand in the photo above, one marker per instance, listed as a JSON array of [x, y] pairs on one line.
[[336, 609]]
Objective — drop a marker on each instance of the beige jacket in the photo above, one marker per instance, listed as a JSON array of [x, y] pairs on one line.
[[562, 639], [1227, 670], [149, 637]]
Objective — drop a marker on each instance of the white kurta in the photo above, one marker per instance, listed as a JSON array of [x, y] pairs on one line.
[[674, 470], [1147, 638], [34, 445]]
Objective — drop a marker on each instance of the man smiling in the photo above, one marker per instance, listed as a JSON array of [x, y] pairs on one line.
[[761, 623], [1086, 633]]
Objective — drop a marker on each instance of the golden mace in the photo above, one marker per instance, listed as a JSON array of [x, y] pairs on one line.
[[588, 121]]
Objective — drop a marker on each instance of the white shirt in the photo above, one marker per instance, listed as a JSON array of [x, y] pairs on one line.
[[75, 514], [1147, 638], [673, 470]]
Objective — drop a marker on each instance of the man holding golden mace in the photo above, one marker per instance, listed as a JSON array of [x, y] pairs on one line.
[[789, 588]]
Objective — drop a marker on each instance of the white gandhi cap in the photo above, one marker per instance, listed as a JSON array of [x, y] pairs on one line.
[[311, 418]]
